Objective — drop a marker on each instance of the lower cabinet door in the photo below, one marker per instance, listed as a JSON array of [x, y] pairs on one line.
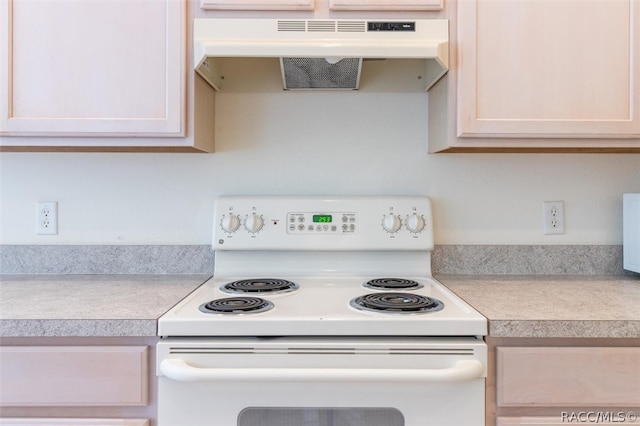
[[568, 377], [73, 422], [74, 376], [564, 418]]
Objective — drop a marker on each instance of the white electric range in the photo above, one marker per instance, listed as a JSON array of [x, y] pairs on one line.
[[310, 292]]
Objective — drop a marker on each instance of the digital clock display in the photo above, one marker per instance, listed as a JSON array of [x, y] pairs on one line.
[[322, 218]]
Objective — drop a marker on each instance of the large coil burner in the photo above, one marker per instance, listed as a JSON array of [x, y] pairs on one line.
[[396, 303]]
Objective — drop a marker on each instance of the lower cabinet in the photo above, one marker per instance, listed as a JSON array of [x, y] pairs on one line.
[[77, 381], [560, 381], [553, 421], [73, 422]]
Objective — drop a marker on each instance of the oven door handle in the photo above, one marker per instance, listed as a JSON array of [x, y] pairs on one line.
[[462, 371]]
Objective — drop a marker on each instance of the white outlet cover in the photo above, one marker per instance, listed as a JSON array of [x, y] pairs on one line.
[[553, 217], [47, 217]]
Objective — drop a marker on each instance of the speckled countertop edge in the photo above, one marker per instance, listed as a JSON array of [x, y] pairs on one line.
[[39, 306], [565, 306], [565, 329], [89, 305], [573, 306]]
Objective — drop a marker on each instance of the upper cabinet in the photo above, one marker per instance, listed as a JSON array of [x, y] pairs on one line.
[[548, 69], [310, 5], [92, 68], [390, 5], [257, 4]]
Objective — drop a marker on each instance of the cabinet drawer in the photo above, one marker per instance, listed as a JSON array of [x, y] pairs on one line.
[[73, 422], [559, 420], [568, 376], [521, 421], [73, 375]]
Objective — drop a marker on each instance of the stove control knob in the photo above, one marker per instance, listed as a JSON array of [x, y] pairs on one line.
[[391, 223], [253, 223], [415, 223], [230, 223]]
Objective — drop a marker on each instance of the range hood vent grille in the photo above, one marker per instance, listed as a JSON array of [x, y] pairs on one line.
[[351, 27], [330, 26], [300, 26], [321, 26]]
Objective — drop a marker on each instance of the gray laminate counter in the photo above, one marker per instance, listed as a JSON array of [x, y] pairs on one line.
[[89, 305], [130, 305], [553, 306]]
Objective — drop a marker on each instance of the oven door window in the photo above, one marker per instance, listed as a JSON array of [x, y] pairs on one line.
[[289, 416]]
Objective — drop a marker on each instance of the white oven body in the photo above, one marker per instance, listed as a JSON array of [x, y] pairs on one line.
[[297, 381]]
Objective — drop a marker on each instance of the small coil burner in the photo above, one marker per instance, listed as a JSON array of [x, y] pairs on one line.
[[236, 305], [260, 285], [392, 284], [396, 303]]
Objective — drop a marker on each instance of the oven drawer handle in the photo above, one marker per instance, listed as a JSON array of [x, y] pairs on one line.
[[180, 370]]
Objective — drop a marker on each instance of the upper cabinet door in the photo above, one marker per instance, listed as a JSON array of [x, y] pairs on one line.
[[390, 5], [558, 69], [257, 4], [92, 68]]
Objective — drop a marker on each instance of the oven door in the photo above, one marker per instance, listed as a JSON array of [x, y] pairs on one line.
[[321, 382]]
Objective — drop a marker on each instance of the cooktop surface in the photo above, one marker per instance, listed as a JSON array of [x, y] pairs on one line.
[[275, 306]]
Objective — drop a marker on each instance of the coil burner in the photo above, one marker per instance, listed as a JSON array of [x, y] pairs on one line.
[[392, 284], [260, 285], [396, 303], [236, 305]]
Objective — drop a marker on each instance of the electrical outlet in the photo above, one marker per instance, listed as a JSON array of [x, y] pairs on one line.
[[47, 217], [553, 217]]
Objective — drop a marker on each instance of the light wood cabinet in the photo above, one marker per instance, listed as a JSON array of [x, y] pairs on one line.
[[548, 69], [98, 68], [97, 76], [74, 375], [334, 5], [555, 381], [106, 381], [257, 4], [568, 376], [539, 76], [557, 421], [388, 5], [73, 422]]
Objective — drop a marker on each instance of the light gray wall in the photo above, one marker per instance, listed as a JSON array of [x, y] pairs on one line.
[[301, 143]]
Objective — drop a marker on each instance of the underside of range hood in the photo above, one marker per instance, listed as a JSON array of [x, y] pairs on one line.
[[268, 55]]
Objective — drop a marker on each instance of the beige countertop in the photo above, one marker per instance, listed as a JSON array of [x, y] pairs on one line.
[[130, 305], [553, 306], [89, 305]]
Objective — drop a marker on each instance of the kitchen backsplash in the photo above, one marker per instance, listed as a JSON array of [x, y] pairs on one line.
[[106, 259], [197, 259]]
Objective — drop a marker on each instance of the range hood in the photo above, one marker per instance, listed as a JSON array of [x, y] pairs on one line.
[[266, 55]]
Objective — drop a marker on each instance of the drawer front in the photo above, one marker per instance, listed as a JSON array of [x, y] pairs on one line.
[[74, 375], [73, 422], [617, 419], [568, 376]]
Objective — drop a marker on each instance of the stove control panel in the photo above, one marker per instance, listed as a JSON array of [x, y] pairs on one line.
[[323, 223]]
